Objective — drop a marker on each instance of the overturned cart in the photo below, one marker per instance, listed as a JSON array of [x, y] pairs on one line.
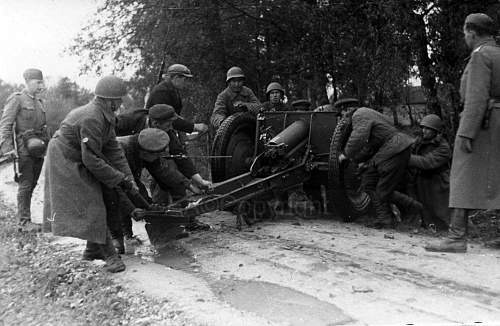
[[270, 154]]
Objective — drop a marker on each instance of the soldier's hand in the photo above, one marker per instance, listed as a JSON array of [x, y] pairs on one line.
[[342, 158], [128, 185], [137, 214], [465, 144]]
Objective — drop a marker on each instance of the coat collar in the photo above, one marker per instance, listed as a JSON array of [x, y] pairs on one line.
[[244, 92], [108, 113]]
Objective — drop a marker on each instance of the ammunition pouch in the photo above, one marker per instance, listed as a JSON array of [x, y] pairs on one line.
[[35, 142]]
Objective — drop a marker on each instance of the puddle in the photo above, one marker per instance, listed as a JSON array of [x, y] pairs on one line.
[[174, 257], [279, 304]]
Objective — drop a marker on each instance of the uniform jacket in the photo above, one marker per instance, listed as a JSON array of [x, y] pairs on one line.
[[166, 93], [431, 161], [159, 169], [269, 107], [26, 112], [374, 137], [475, 177], [83, 155], [176, 147], [224, 104]]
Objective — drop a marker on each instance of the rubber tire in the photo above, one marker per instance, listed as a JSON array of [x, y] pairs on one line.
[[235, 136], [341, 177]]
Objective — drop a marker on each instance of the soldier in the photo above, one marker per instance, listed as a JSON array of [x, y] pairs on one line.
[[144, 150], [163, 117], [24, 115], [275, 94], [475, 177], [167, 92], [431, 160], [386, 150], [235, 98], [83, 157]]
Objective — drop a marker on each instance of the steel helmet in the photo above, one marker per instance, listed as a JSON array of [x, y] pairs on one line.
[[234, 72], [275, 86], [432, 121], [36, 147], [110, 87], [178, 69]]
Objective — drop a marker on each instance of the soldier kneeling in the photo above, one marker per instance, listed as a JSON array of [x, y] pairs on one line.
[[431, 160]]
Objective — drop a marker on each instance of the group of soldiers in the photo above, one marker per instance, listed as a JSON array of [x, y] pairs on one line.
[[94, 161]]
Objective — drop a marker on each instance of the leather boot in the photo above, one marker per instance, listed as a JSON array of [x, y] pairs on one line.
[[457, 234], [114, 263], [119, 245], [93, 251], [383, 214]]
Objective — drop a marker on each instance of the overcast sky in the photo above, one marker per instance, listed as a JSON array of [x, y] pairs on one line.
[[34, 33]]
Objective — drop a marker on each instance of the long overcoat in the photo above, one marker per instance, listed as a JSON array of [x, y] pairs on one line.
[[82, 156], [431, 159], [475, 177]]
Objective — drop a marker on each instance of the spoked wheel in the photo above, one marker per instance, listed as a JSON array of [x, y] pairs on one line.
[[235, 138], [343, 179]]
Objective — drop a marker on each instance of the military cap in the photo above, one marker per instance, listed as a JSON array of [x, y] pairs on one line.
[[162, 112], [481, 20], [32, 73], [153, 140], [178, 69]]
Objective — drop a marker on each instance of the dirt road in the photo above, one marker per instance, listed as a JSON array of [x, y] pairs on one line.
[[310, 272]]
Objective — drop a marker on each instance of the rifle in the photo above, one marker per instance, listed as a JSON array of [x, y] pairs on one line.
[[162, 67], [16, 155]]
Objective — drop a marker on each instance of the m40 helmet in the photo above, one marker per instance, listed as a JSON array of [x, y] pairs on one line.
[[110, 87], [432, 121]]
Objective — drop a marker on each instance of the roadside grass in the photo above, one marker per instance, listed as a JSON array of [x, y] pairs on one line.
[[47, 284]]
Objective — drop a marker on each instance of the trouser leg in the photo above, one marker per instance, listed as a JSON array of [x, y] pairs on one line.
[[458, 224], [29, 170]]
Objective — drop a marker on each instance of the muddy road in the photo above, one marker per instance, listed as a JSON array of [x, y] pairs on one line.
[[294, 271]]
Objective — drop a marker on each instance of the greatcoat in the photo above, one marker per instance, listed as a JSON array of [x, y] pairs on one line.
[[475, 177], [83, 155]]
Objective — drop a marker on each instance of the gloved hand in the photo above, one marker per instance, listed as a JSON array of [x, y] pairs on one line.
[[128, 184]]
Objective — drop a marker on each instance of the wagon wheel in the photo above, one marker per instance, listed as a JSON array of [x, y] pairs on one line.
[[343, 179], [235, 138]]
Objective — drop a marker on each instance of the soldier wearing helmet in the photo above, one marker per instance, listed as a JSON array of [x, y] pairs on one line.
[[235, 98], [430, 161], [84, 157], [168, 92], [24, 117], [275, 94]]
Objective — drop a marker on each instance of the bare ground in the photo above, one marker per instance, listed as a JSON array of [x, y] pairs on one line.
[[284, 272]]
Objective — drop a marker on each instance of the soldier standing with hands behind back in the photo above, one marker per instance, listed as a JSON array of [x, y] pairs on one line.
[[475, 177], [23, 127]]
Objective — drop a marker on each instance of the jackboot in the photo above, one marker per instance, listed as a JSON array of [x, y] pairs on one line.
[[93, 251], [119, 245], [457, 234], [383, 214], [114, 263]]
